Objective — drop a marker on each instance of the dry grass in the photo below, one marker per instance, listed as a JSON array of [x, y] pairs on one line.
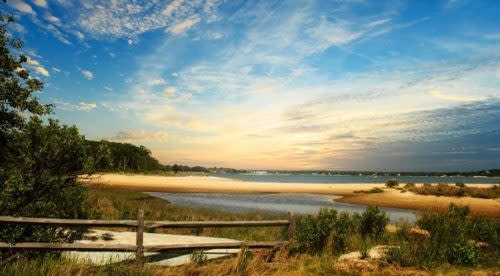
[[259, 263], [457, 191]]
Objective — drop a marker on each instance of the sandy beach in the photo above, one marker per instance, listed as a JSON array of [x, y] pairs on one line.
[[206, 184]]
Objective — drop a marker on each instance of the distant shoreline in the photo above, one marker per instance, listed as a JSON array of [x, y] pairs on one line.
[[202, 184]]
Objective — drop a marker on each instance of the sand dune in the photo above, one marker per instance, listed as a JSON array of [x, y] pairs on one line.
[[206, 184]]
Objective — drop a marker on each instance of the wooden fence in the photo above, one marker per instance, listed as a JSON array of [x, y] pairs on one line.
[[140, 224]]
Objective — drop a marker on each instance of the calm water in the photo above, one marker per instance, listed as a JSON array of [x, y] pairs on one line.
[[310, 178], [279, 203]]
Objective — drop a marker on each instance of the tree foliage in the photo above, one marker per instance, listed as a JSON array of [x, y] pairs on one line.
[[39, 163], [112, 156]]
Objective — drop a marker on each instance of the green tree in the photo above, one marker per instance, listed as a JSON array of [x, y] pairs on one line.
[[39, 164], [45, 162]]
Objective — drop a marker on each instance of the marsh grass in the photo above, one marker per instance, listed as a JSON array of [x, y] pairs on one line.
[[124, 204], [459, 190]]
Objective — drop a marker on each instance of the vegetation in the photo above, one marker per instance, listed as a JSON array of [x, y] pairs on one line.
[[443, 189], [392, 183], [374, 190], [453, 245], [452, 237], [38, 162], [110, 203], [335, 233]]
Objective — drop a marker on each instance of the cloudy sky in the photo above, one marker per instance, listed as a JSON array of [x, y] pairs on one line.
[[339, 84]]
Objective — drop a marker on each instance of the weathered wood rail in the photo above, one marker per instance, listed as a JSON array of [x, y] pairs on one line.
[[140, 224]]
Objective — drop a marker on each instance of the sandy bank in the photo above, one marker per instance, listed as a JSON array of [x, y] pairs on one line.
[[204, 184]]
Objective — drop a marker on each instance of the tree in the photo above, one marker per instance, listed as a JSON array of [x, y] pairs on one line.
[[175, 168], [44, 165], [16, 87], [39, 164]]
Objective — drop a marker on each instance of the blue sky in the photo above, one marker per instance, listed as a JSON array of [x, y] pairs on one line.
[[341, 84]]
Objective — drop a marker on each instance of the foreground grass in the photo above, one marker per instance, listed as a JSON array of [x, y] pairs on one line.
[[110, 203], [254, 264]]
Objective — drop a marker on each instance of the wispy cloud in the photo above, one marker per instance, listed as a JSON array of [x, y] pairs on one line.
[[183, 26], [40, 3], [140, 134], [21, 6], [87, 74], [82, 106]]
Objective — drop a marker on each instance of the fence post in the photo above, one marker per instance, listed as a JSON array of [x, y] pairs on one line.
[[139, 240], [291, 226]]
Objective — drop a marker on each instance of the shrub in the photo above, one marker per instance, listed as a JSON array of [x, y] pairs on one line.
[[463, 253], [427, 185], [410, 184], [373, 222], [392, 183], [460, 184], [374, 190], [312, 232], [344, 228], [400, 255], [198, 257]]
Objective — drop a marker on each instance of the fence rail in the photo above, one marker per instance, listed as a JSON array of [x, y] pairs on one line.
[[140, 224]]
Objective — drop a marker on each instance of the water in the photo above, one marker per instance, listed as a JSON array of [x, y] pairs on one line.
[[277, 203], [315, 178]]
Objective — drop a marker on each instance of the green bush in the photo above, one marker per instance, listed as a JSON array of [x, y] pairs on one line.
[[312, 232], [198, 257], [400, 255], [463, 253], [373, 222], [344, 227], [392, 183]]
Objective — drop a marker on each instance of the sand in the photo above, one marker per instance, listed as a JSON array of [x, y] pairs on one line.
[[207, 184], [128, 238]]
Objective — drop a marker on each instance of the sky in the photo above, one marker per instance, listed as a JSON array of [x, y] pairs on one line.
[[327, 84]]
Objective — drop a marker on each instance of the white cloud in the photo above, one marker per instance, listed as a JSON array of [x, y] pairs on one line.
[[215, 35], [159, 81], [169, 91], [140, 134], [454, 97], [108, 88], [175, 74], [118, 19], [21, 6], [57, 34], [40, 3], [182, 26], [87, 74], [32, 62], [79, 35], [42, 71], [52, 19], [82, 106], [55, 69], [171, 7], [378, 22]]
